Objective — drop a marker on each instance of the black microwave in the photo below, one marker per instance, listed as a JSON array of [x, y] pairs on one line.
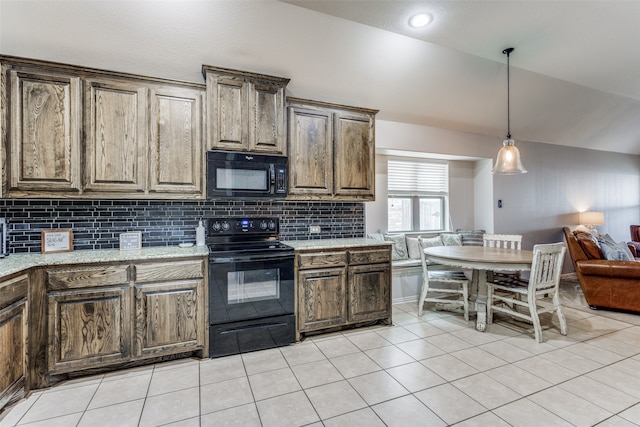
[[246, 175]]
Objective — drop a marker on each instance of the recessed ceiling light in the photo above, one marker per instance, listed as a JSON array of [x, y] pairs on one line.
[[420, 20]]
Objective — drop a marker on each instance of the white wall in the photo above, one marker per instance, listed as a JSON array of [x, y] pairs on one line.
[[483, 192], [376, 212], [461, 194]]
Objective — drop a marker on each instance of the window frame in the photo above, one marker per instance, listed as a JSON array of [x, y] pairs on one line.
[[415, 196]]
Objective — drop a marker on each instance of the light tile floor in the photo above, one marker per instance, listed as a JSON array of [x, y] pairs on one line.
[[431, 371]]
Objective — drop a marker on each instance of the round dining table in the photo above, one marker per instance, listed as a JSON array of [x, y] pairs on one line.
[[480, 260]]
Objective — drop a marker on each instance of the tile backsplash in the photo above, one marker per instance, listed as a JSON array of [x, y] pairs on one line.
[[96, 224]]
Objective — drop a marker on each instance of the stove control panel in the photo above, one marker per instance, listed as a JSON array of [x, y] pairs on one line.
[[235, 226]]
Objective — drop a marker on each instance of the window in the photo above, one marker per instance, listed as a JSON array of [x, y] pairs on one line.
[[418, 195]]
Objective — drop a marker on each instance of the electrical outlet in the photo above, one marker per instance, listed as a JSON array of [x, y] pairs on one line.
[[314, 229], [500, 203]]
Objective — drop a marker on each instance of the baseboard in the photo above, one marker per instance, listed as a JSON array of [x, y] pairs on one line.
[[410, 298]]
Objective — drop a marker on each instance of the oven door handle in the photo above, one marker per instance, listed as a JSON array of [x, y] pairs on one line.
[[250, 258]]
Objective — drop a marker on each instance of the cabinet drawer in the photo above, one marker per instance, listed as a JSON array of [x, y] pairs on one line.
[[13, 290], [322, 259], [87, 277], [369, 256], [154, 272]]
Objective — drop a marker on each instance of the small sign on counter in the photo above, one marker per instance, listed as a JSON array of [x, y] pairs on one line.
[[130, 241], [57, 241]]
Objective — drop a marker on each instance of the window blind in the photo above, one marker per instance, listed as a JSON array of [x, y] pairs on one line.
[[417, 178]]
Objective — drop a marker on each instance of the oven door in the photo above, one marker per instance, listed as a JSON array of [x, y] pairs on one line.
[[250, 287]]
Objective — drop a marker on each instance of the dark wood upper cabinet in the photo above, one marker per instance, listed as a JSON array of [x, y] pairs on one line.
[[245, 111], [44, 139], [69, 131], [331, 151]]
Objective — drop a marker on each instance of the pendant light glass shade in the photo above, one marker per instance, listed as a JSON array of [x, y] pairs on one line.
[[508, 161]]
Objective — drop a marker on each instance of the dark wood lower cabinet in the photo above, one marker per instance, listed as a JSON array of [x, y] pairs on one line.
[[323, 301], [169, 318], [342, 287], [64, 321], [13, 339], [369, 292], [88, 317], [88, 328], [107, 315]]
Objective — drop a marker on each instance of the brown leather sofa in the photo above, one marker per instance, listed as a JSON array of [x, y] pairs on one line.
[[605, 283]]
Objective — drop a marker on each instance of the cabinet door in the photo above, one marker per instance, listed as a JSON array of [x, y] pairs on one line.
[[355, 155], [116, 136], [310, 152], [13, 339], [321, 298], [88, 328], [266, 118], [176, 141], [369, 292], [227, 103], [169, 318], [45, 132]]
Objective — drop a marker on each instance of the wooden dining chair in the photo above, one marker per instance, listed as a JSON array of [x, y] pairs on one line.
[[454, 282], [512, 296], [508, 241]]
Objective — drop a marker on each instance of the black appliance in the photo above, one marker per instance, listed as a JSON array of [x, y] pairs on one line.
[[246, 175], [251, 286], [4, 238]]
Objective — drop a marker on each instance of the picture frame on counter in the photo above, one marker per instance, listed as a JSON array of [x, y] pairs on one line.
[[57, 241], [130, 241]]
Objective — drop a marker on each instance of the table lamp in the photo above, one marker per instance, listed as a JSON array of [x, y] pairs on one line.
[[591, 219]]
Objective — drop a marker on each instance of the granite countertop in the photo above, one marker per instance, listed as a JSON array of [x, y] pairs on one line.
[[17, 262], [320, 244]]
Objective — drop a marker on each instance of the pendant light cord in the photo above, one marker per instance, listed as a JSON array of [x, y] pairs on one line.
[[507, 51]]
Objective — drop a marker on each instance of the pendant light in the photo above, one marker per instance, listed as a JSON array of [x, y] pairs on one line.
[[508, 161]]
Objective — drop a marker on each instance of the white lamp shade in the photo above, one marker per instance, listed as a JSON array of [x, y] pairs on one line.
[[592, 218], [508, 161]]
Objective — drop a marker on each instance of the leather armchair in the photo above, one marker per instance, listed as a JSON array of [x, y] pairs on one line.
[[605, 283]]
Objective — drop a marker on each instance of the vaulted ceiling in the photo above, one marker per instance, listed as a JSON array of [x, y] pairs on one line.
[[575, 71]]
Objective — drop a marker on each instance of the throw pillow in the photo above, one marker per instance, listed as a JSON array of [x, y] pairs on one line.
[[428, 242], [376, 236], [617, 252], [605, 238], [471, 237], [451, 239], [614, 251], [399, 248], [413, 246], [589, 245]]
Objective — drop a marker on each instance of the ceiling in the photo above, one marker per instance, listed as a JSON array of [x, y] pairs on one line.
[[575, 71], [590, 44]]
